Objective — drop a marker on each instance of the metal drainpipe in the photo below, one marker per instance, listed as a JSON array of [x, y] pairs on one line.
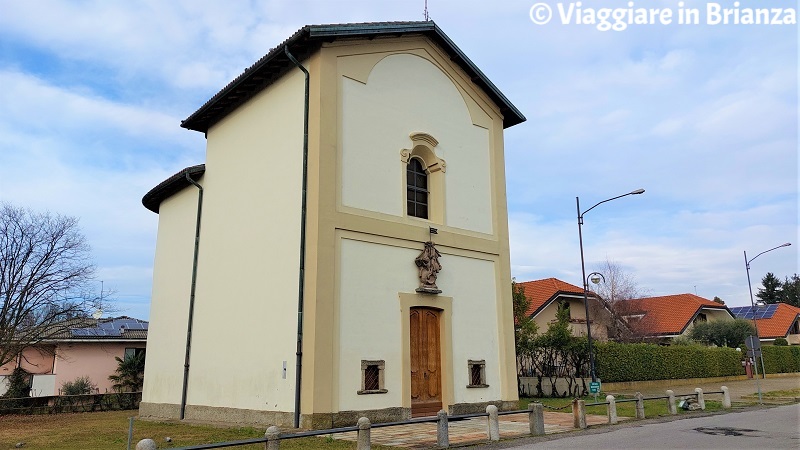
[[302, 276], [191, 295]]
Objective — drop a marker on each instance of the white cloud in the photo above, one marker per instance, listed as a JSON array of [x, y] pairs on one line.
[[704, 118]]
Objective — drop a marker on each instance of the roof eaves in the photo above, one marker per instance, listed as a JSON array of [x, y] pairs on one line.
[[543, 306], [555, 296], [152, 200], [306, 40], [691, 320], [254, 78]]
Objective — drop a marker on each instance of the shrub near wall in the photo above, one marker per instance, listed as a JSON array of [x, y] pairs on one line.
[[642, 362], [779, 359]]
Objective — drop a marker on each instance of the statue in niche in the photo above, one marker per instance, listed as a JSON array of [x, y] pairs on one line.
[[429, 267]]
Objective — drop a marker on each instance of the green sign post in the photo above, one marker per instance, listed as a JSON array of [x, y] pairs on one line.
[[594, 387]]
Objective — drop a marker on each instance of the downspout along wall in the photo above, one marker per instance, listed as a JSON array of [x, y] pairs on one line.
[[299, 352], [191, 295]]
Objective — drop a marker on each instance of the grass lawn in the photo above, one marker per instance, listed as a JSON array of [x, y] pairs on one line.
[[652, 408], [786, 393], [105, 430]]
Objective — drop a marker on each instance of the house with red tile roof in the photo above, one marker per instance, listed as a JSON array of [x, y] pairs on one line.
[[777, 320], [669, 316], [547, 295]]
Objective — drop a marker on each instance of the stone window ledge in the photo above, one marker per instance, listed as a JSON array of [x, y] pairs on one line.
[[375, 391]]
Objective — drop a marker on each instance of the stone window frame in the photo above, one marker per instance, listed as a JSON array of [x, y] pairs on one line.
[[423, 147], [381, 371], [479, 364]]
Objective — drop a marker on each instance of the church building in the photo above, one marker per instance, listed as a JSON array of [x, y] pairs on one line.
[[343, 251]]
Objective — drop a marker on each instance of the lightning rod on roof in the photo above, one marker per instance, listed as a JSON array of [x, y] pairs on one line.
[[425, 13]]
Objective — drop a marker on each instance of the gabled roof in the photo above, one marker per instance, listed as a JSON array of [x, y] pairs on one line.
[[775, 326], [666, 315], [541, 292], [308, 39]]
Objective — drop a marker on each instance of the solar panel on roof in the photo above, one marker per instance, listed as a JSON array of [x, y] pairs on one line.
[[110, 328], [759, 312], [93, 332]]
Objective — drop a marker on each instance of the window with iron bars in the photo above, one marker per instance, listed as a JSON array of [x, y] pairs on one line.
[[372, 377], [477, 373]]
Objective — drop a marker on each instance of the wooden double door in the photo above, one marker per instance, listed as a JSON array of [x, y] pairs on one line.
[[426, 362]]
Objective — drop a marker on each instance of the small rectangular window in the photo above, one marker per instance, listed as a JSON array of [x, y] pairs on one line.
[[477, 373], [133, 352], [372, 377]]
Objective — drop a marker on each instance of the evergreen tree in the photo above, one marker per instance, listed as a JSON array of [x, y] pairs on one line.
[[19, 384], [525, 327], [772, 289], [791, 290]]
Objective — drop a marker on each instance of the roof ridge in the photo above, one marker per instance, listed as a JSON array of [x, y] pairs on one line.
[[307, 40]]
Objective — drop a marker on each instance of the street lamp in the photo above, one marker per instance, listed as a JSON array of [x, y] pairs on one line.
[[752, 303], [583, 273]]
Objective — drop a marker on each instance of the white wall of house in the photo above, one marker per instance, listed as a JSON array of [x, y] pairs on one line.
[[472, 284], [169, 306], [370, 323], [246, 297], [246, 304], [711, 315], [404, 94]]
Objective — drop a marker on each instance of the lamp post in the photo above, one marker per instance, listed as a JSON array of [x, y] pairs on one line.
[[583, 273], [753, 303]]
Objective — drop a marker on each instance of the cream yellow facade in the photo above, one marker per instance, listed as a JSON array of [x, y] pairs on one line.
[[373, 105], [577, 314], [708, 315]]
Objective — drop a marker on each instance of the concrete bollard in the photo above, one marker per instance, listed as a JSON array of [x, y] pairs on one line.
[[536, 418], [700, 399], [273, 436], [673, 409], [579, 414], [493, 424], [364, 431], [639, 405], [612, 410], [146, 444], [726, 397], [442, 430]]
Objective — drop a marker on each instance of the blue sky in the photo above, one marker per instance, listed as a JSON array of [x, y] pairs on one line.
[[704, 117]]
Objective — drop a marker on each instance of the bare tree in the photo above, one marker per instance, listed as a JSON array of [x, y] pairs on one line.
[[618, 284], [45, 270], [618, 287]]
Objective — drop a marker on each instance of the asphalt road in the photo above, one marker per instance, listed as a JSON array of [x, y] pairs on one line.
[[760, 428]]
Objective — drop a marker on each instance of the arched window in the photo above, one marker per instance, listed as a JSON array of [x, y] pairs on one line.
[[417, 189], [424, 178]]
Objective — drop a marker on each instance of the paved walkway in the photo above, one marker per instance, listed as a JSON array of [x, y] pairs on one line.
[[423, 435], [516, 425]]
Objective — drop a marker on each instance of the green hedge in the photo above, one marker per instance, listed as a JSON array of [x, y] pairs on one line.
[[779, 359], [640, 362]]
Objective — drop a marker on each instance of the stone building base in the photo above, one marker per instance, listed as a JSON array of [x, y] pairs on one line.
[[285, 419]]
